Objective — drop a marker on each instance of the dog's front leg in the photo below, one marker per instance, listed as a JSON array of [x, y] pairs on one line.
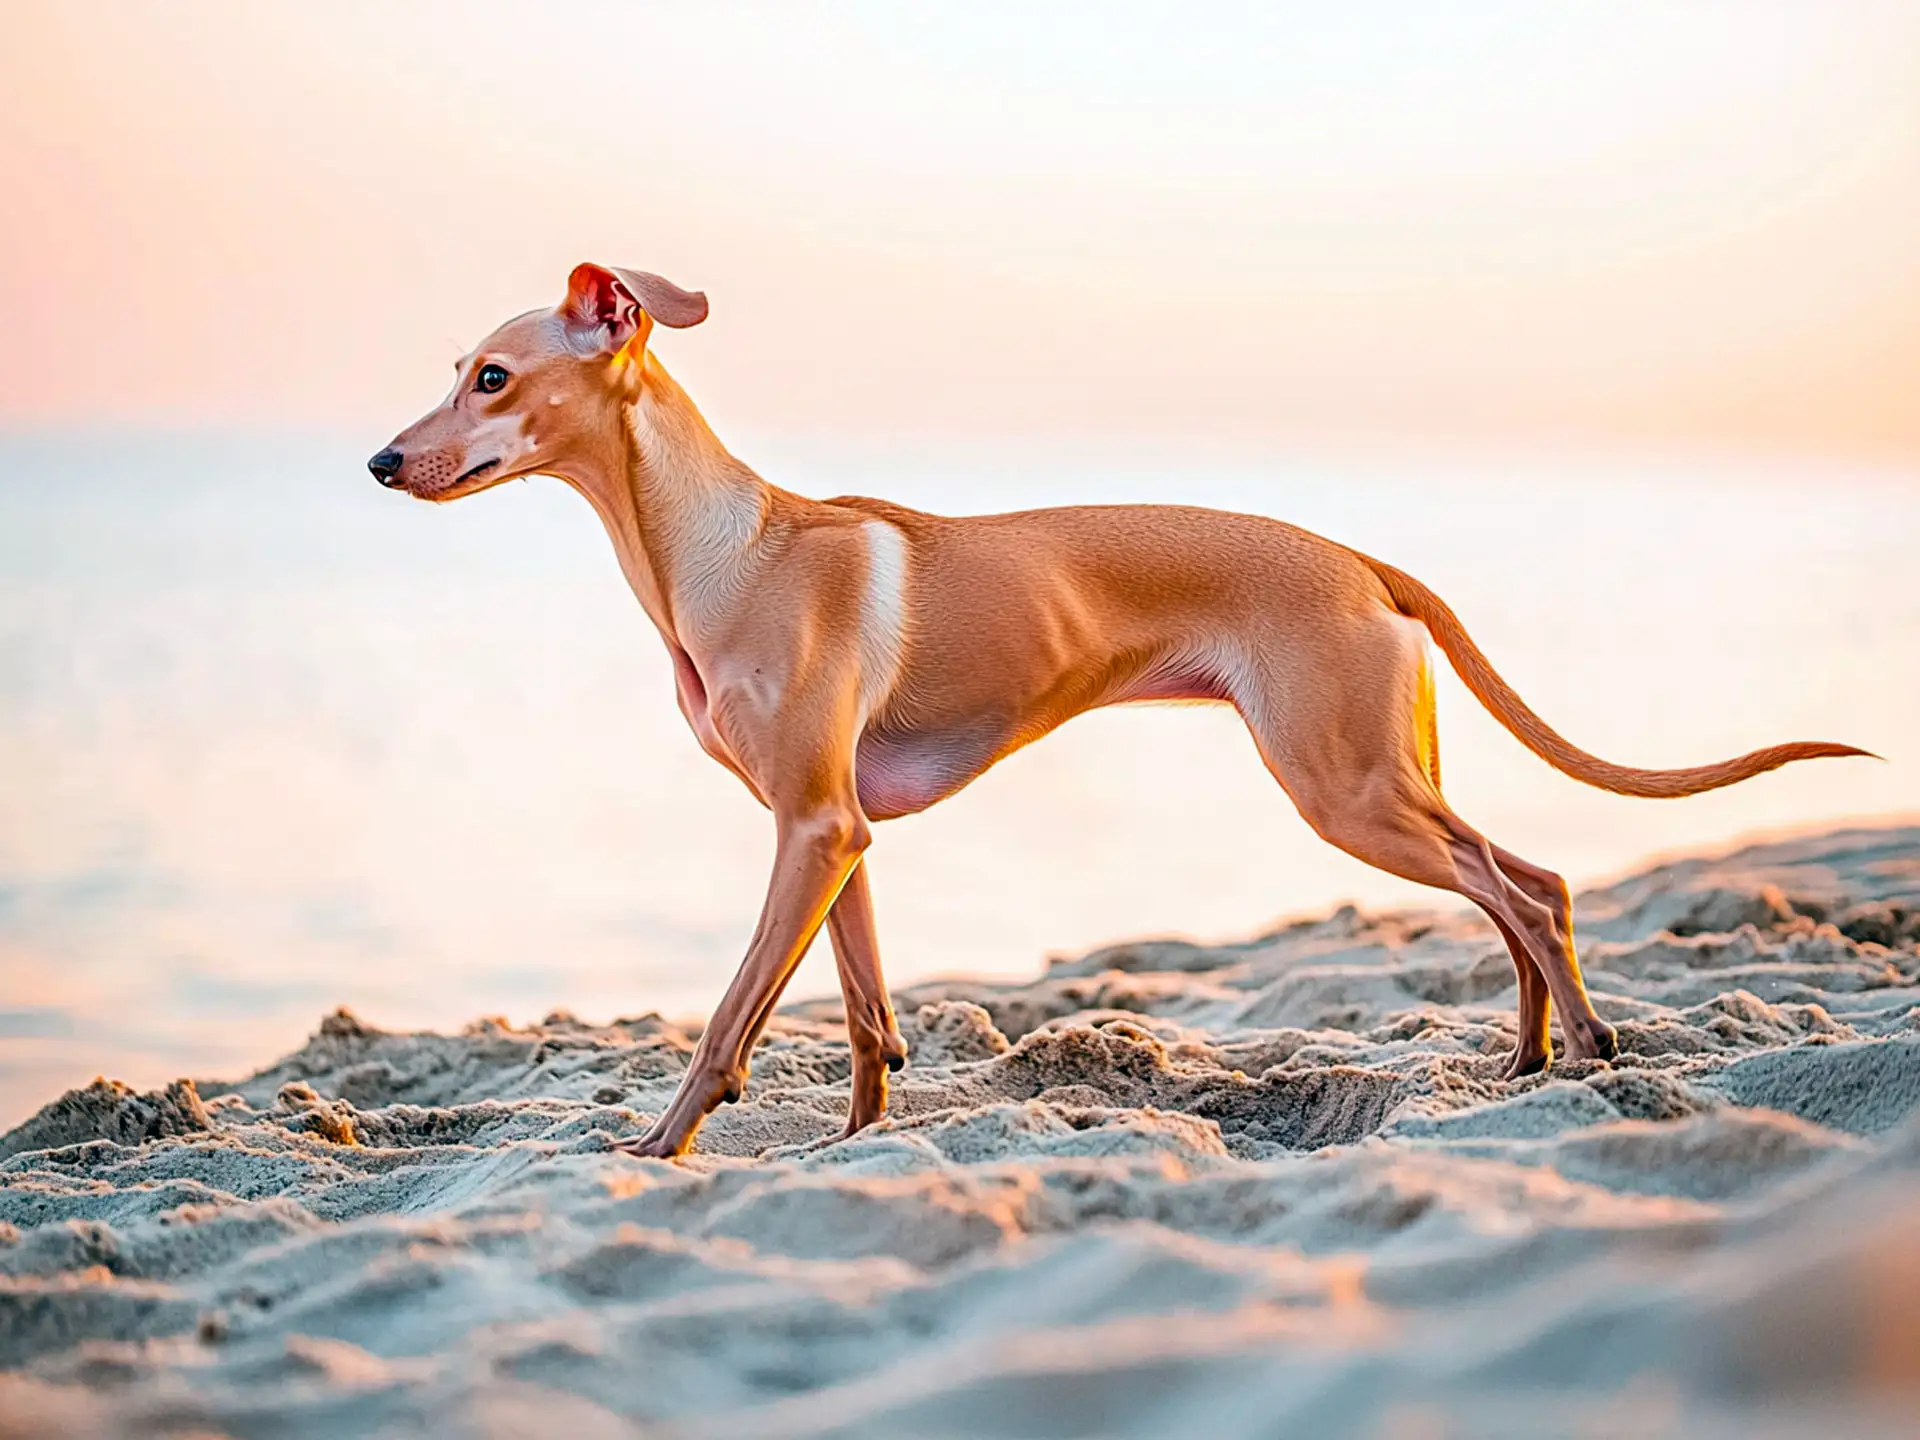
[[871, 1031], [821, 836]]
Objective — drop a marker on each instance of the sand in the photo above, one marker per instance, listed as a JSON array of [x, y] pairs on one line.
[[1261, 1189]]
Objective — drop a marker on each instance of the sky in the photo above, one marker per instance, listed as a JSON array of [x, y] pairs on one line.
[[1665, 228], [1583, 271]]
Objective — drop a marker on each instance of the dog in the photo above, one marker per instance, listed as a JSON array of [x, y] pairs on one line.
[[852, 660]]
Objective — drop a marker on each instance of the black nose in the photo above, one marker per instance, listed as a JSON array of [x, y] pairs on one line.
[[386, 466]]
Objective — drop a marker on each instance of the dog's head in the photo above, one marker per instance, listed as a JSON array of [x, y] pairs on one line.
[[523, 397]]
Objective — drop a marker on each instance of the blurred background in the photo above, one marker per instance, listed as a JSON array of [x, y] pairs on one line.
[[1603, 320]]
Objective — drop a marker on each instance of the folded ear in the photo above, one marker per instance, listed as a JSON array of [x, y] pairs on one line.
[[621, 302]]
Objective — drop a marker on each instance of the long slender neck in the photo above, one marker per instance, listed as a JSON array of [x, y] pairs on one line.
[[683, 514]]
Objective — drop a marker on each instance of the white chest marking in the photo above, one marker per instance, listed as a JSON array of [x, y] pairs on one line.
[[883, 615]]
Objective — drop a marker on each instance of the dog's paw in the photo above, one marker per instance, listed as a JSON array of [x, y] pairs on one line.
[[1597, 1040], [650, 1147], [1525, 1062]]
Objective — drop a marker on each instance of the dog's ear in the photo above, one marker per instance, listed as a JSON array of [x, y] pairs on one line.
[[620, 303]]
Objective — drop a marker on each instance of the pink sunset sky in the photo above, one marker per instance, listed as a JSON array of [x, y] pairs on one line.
[[1679, 226]]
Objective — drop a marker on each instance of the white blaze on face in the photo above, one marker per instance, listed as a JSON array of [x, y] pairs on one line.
[[883, 614], [505, 438]]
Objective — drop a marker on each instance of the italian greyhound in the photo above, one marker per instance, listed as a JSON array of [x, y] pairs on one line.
[[852, 660]]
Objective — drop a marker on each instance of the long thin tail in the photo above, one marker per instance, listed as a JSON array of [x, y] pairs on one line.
[[1415, 600]]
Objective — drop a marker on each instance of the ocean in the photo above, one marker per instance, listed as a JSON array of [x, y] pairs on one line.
[[273, 740]]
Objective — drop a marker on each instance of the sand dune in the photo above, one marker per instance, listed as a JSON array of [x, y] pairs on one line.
[[1272, 1188]]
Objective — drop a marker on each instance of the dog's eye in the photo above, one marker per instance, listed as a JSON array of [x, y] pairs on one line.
[[490, 379]]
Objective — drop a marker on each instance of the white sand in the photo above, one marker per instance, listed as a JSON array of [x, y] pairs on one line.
[[1167, 1190]]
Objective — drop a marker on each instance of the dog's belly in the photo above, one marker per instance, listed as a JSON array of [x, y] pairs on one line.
[[901, 773]]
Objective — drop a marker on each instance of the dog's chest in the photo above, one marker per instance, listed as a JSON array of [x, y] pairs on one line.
[[692, 692]]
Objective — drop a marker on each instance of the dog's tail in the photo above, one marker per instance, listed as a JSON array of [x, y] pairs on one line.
[[1415, 600]]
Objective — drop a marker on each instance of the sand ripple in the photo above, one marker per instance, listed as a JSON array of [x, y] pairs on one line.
[[1274, 1188]]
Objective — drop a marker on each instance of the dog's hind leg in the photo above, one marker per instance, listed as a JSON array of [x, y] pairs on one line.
[[1550, 890], [1356, 757], [1416, 836], [1535, 904], [1535, 1048]]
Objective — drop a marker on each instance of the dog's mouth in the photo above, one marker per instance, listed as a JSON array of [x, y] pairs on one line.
[[470, 481]]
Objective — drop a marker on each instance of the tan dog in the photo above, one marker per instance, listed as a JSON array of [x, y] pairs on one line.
[[851, 660]]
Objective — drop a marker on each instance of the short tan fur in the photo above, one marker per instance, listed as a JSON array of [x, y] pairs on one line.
[[851, 660]]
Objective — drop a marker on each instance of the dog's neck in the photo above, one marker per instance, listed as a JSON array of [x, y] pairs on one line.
[[684, 515]]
